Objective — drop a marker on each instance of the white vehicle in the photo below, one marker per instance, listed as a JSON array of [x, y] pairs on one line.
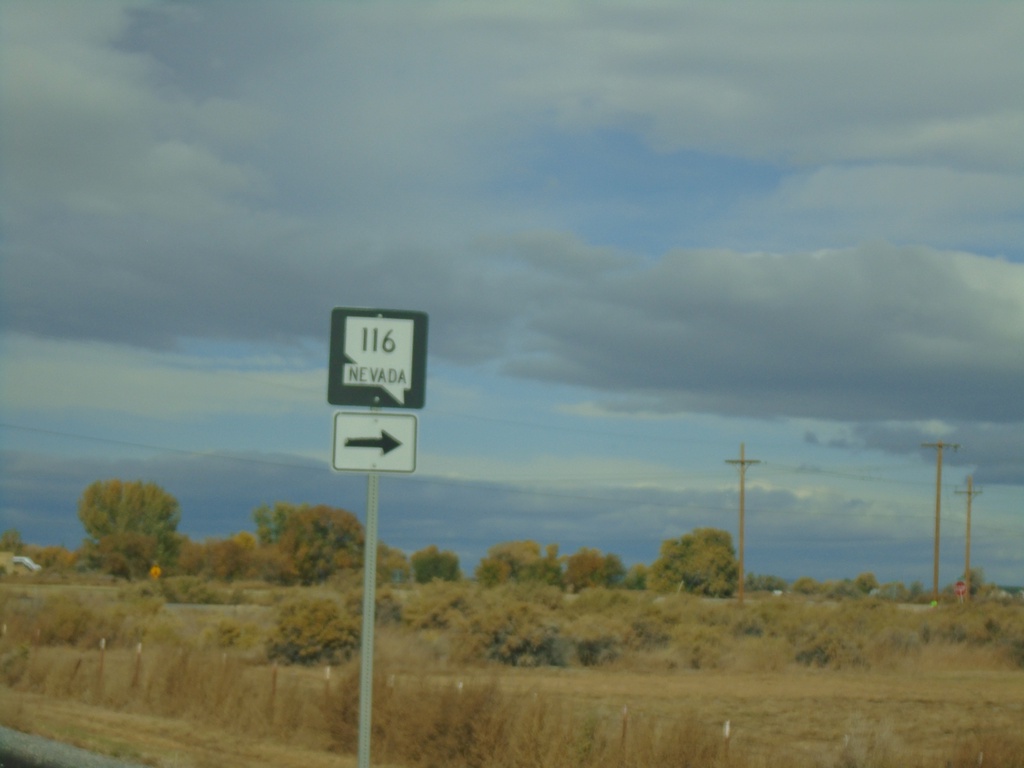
[[10, 562], [27, 562]]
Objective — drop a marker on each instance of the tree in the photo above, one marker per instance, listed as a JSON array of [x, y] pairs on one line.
[[130, 526], [589, 568], [866, 583], [758, 583], [10, 541], [128, 554], [702, 562], [392, 565], [270, 521], [805, 585], [636, 577], [317, 541], [52, 557], [977, 581], [520, 561], [430, 563], [230, 559]]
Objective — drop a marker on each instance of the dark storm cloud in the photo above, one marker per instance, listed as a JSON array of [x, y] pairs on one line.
[[992, 453]]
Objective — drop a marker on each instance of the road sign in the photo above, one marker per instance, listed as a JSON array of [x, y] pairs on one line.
[[374, 442], [960, 588], [378, 357]]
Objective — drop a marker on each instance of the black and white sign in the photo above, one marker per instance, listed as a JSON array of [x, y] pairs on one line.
[[378, 357], [374, 442]]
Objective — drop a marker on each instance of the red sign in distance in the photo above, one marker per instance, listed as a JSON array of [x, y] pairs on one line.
[[960, 589]]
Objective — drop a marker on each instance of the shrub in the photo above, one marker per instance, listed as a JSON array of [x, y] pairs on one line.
[[805, 585], [830, 648], [229, 633], [439, 605], [759, 583], [62, 620], [517, 634], [595, 641], [13, 664], [313, 631], [188, 589]]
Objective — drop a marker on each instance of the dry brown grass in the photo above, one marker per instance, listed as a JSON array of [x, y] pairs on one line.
[[878, 686]]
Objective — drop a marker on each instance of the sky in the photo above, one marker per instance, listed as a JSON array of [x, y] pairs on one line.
[[644, 235]]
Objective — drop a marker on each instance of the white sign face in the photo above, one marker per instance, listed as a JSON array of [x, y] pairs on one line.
[[374, 442], [381, 352]]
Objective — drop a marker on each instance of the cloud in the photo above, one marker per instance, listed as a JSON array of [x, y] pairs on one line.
[[95, 134], [869, 333], [991, 452], [45, 376], [864, 333], [898, 203], [395, 118]]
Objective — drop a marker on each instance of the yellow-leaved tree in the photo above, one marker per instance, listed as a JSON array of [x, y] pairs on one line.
[[702, 562], [130, 526]]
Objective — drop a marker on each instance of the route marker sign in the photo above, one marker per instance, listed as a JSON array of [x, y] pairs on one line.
[[374, 442], [378, 357]]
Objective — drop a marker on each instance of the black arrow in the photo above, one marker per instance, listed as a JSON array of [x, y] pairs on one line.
[[385, 442]]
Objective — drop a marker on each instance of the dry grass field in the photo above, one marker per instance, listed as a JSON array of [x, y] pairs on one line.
[[816, 685]]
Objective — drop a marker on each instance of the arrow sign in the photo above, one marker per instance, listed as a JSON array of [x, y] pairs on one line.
[[385, 442], [374, 442]]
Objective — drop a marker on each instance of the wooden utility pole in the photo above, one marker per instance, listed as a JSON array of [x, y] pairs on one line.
[[938, 504], [742, 462], [970, 493]]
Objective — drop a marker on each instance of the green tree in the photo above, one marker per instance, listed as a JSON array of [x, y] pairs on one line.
[[702, 562], [130, 526], [431, 564], [590, 568]]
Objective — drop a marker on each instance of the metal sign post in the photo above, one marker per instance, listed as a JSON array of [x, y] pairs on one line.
[[369, 611], [378, 358]]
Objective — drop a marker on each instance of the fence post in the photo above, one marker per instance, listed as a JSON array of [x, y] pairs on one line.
[[625, 728], [138, 666], [99, 674], [273, 693]]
